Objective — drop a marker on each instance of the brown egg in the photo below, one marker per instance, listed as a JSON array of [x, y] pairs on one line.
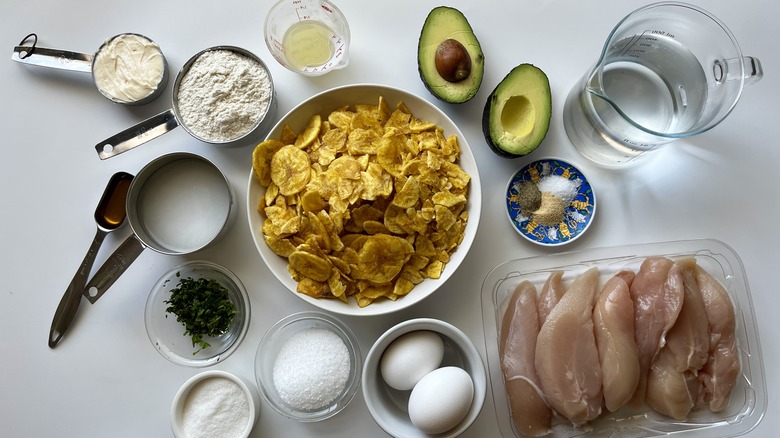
[[452, 61]]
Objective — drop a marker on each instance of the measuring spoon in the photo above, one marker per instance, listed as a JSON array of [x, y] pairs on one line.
[[109, 215], [128, 68]]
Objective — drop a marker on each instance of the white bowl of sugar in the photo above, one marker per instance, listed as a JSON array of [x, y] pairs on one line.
[[308, 366], [215, 403]]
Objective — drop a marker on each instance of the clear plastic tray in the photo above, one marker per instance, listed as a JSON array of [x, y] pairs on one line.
[[748, 398]]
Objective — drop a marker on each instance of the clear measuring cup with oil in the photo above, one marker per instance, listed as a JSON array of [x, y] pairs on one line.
[[310, 37]]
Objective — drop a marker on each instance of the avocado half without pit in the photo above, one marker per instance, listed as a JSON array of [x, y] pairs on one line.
[[449, 57], [517, 113]]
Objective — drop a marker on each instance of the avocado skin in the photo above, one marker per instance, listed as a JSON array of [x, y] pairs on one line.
[[446, 91], [486, 130], [492, 99]]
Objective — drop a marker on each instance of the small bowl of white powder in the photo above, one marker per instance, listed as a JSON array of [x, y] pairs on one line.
[[308, 366], [214, 404]]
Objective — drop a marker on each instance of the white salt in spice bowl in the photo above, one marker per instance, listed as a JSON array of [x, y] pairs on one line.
[[308, 366], [215, 403]]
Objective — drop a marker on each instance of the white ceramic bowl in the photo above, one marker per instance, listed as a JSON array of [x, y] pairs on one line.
[[248, 390], [273, 342], [388, 406], [324, 103]]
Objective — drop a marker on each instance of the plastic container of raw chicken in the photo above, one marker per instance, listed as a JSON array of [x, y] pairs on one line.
[[748, 402]]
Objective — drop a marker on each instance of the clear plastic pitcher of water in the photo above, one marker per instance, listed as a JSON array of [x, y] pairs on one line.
[[667, 71]]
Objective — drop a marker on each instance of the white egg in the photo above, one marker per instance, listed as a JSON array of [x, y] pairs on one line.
[[409, 357], [441, 400]]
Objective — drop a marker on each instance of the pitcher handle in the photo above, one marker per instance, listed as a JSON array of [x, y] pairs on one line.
[[729, 70], [753, 70]]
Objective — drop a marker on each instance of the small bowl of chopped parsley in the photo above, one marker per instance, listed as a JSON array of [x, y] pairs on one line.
[[197, 314]]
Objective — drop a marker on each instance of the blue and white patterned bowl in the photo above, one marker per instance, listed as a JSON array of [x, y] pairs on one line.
[[578, 214]]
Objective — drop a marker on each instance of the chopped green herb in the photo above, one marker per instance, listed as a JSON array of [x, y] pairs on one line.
[[203, 307]]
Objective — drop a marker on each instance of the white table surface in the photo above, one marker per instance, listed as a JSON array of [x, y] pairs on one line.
[[106, 380]]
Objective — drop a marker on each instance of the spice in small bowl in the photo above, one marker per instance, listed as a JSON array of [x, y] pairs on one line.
[[550, 202], [203, 306], [197, 314]]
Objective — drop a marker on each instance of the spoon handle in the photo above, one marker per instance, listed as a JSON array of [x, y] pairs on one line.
[[69, 304], [112, 268]]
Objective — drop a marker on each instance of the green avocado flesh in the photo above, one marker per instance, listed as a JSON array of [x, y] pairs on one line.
[[517, 113], [445, 23]]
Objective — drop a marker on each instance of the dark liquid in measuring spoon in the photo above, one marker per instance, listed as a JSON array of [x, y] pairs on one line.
[[112, 209]]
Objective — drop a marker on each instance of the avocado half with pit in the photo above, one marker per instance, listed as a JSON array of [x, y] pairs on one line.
[[517, 113], [449, 57]]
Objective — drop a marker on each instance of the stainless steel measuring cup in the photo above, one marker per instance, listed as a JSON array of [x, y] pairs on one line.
[[667, 71], [128, 68], [168, 120], [177, 204]]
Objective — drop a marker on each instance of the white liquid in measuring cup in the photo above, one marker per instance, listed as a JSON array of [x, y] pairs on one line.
[[184, 205], [655, 81], [308, 43]]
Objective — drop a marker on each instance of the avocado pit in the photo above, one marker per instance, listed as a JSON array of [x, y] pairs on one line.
[[453, 62]]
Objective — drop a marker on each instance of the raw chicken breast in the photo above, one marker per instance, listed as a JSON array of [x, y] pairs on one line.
[[567, 359], [519, 330], [551, 293], [689, 338], [720, 373], [670, 392], [685, 352], [657, 293], [613, 319]]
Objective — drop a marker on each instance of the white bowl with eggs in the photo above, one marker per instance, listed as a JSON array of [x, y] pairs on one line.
[[441, 385]]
